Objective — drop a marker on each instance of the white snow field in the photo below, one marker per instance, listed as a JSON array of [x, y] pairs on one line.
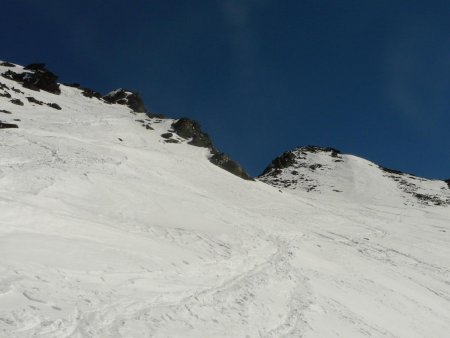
[[142, 238]]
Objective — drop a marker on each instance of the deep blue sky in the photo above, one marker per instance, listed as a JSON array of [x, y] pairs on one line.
[[371, 78]]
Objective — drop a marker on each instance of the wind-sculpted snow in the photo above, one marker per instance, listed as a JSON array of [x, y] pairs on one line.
[[108, 230]]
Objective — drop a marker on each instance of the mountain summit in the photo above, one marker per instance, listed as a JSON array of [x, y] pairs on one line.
[[321, 170], [118, 222]]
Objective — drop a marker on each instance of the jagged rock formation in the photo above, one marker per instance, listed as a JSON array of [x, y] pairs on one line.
[[37, 78], [190, 129], [285, 160], [225, 162], [128, 98]]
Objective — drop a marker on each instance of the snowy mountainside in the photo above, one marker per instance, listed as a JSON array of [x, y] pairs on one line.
[[321, 170], [111, 227]]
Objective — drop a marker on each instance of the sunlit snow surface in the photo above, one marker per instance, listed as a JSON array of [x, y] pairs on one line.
[[141, 238]]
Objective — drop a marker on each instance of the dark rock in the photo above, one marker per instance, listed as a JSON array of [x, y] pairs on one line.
[[15, 90], [448, 183], [37, 79], [4, 125], [171, 140], [18, 120], [285, 160], [7, 64], [431, 199], [73, 85], [33, 100], [16, 101], [315, 166], [41, 79], [391, 171], [10, 75], [190, 129], [91, 93], [120, 139], [315, 149], [35, 66], [3, 86], [136, 103], [5, 94], [128, 98], [5, 111], [223, 161], [187, 128], [167, 135], [149, 127], [54, 106]]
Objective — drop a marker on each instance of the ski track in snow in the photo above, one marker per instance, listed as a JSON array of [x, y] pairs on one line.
[[139, 238]]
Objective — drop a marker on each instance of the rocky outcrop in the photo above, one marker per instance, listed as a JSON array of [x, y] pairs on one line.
[[54, 106], [16, 101], [448, 183], [190, 129], [33, 100], [127, 97], [167, 135], [41, 79], [289, 159], [4, 125], [225, 162], [90, 93], [38, 78], [285, 160], [391, 171], [316, 149]]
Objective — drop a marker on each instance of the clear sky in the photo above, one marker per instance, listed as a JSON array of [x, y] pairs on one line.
[[371, 78]]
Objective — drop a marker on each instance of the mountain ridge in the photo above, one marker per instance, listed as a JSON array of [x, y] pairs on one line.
[[113, 225], [46, 80], [37, 77]]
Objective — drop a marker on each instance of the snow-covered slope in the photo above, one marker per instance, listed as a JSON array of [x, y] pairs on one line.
[[326, 171], [108, 230]]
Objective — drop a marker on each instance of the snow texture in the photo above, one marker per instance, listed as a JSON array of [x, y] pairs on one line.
[[108, 230]]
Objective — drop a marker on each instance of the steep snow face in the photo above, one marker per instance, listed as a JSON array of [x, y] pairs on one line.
[[109, 229], [326, 171]]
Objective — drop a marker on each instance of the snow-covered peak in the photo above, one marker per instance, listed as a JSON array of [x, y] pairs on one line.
[[325, 171], [115, 223]]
